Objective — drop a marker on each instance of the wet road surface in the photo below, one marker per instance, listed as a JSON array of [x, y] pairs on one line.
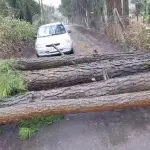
[[112, 130]]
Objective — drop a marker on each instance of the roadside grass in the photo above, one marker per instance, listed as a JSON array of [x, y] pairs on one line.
[[29, 128], [11, 80], [1, 132], [13, 83]]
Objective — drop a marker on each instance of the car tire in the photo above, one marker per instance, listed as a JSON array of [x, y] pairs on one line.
[[37, 55], [72, 51]]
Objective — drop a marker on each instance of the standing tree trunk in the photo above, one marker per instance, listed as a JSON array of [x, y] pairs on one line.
[[118, 5], [126, 12], [110, 7], [102, 14]]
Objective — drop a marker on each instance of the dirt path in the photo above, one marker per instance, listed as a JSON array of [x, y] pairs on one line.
[[86, 41], [113, 130]]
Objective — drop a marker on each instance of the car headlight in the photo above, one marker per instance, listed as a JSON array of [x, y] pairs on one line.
[[39, 46]]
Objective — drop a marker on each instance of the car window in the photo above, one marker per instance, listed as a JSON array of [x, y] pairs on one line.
[[51, 30]]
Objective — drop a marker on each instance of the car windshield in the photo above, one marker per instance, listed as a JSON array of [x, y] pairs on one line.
[[51, 30]]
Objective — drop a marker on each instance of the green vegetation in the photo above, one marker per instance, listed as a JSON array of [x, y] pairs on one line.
[[1, 132], [89, 13], [11, 80], [29, 128], [15, 35], [15, 30], [19, 9]]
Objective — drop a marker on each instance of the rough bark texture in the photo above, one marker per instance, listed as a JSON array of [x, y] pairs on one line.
[[83, 73], [118, 5], [126, 12], [54, 62], [110, 7], [47, 107], [134, 83]]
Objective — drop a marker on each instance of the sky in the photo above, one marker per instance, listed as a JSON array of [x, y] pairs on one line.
[[55, 3]]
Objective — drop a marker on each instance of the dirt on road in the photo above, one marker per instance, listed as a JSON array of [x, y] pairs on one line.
[[113, 130]]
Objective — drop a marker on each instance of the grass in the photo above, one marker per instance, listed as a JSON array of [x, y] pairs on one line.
[[12, 83], [11, 80], [1, 132], [29, 128]]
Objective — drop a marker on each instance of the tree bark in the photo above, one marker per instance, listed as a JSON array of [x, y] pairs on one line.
[[83, 73], [118, 5], [45, 107], [55, 62], [134, 83], [126, 12], [110, 7]]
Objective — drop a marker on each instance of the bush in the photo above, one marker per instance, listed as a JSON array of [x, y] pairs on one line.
[[11, 80], [16, 30], [15, 35]]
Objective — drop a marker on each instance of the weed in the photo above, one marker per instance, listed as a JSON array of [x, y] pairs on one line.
[[11, 80], [1, 132], [29, 128]]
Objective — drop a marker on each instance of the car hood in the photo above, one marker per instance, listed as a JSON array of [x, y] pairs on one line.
[[53, 39]]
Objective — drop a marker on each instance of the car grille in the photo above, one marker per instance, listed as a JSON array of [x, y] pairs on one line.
[[51, 45]]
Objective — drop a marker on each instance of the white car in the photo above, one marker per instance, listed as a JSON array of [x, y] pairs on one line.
[[53, 35]]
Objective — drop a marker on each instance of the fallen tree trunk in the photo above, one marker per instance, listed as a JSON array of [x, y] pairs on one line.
[[45, 107], [135, 83], [37, 64], [83, 73]]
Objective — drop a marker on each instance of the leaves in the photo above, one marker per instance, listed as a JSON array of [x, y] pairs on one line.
[[21, 6], [15, 35], [29, 128], [11, 80]]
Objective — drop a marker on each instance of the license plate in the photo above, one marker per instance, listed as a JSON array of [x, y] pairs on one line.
[[51, 49]]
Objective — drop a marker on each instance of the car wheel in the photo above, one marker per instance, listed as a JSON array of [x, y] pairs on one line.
[[37, 55], [72, 51]]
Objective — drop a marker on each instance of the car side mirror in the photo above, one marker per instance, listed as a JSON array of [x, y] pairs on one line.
[[69, 31]]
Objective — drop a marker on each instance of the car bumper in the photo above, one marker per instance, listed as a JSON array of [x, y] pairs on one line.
[[48, 52]]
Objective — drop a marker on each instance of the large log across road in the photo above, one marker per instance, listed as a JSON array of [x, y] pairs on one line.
[[54, 62], [83, 73], [45, 107], [134, 83]]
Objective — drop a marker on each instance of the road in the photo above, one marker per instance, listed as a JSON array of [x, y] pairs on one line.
[[112, 130]]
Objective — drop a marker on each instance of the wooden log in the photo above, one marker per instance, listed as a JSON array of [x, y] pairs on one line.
[[45, 107], [55, 62], [132, 83], [129, 84], [83, 73]]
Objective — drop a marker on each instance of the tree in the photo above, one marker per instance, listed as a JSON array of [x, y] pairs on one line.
[[126, 12], [118, 5], [85, 12], [20, 9]]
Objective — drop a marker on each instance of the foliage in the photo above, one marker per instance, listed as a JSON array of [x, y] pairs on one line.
[[138, 36], [20, 9], [1, 132], [11, 80], [14, 36], [26, 133], [134, 1], [15, 30], [29, 128], [83, 9]]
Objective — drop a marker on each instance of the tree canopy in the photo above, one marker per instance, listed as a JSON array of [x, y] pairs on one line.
[[19, 9]]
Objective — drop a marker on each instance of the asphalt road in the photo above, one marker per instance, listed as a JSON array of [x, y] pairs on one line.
[[112, 130]]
